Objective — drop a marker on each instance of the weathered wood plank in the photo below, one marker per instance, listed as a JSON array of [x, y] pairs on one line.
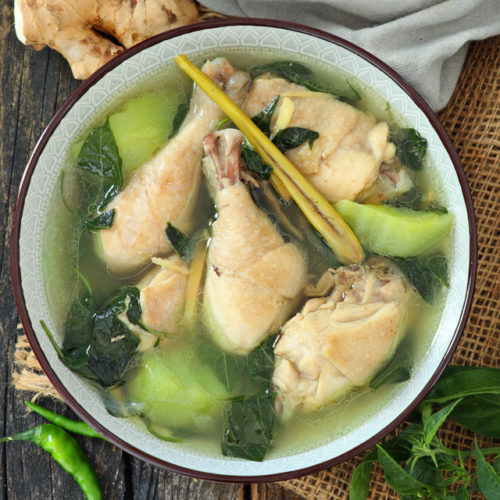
[[153, 483]]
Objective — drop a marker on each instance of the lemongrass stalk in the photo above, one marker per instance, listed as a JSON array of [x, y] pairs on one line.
[[193, 285], [280, 188], [320, 213], [285, 221]]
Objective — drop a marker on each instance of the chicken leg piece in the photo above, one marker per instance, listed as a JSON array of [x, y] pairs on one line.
[[165, 188], [254, 279], [345, 159], [339, 341]]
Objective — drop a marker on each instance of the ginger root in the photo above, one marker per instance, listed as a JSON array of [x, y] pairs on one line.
[[75, 28]]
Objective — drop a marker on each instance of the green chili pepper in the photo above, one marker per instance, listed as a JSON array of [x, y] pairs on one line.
[[66, 423], [66, 452]]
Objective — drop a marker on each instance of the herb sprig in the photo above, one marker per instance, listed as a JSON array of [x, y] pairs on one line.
[[417, 464]]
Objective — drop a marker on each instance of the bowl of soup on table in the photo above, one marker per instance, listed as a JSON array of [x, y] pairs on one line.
[[244, 250]]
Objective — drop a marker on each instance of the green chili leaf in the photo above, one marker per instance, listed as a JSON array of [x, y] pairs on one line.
[[261, 362], [181, 113], [423, 470], [427, 274], [99, 153], [183, 245], [284, 68], [228, 368], [397, 477], [102, 221], [99, 156], [263, 119], [360, 481], [301, 75], [254, 163], [460, 382], [96, 343], [461, 494], [397, 369], [411, 147], [436, 420], [479, 413], [248, 427], [488, 479], [293, 137], [113, 344]]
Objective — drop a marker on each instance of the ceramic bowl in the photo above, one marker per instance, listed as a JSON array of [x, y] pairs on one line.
[[144, 62]]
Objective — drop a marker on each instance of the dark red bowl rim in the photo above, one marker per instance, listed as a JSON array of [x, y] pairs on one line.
[[77, 94]]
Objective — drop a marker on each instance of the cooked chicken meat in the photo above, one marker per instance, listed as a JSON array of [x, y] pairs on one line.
[[162, 298], [346, 157], [166, 187], [254, 278], [339, 341], [392, 182]]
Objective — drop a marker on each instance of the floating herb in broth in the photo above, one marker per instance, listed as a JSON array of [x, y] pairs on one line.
[[225, 373]]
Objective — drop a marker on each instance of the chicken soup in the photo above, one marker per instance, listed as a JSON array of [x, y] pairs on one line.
[[201, 295]]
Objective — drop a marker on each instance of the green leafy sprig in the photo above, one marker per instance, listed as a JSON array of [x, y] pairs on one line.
[[418, 465]]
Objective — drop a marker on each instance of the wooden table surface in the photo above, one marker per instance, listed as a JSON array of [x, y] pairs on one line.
[[33, 86]]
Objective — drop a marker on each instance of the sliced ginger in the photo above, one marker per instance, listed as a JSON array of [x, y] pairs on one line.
[[74, 28]]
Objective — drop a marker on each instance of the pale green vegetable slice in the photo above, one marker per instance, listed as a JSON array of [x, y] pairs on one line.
[[396, 232], [176, 389], [143, 125]]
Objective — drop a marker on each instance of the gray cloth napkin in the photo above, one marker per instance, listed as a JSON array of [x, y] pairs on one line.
[[425, 41]]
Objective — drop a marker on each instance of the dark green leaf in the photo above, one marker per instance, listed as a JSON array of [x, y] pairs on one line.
[[261, 362], [411, 147], [134, 310], [496, 466], [183, 245], [445, 462], [391, 374], [398, 479], [434, 207], [102, 221], [301, 75], [412, 434], [284, 68], [248, 427], [180, 114], [460, 382], [480, 413], [397, 369], [360, 481], [254, 163], [97, 344], [438, 266], [263, 119], [488, 479], [113, 344], [228, 368], [99, 156], [410, 199], [436, 420], [427, 274], [423, 470], [461, 494], [293, 137]]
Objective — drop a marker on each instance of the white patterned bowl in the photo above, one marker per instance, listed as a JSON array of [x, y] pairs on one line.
[[145, 61]]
